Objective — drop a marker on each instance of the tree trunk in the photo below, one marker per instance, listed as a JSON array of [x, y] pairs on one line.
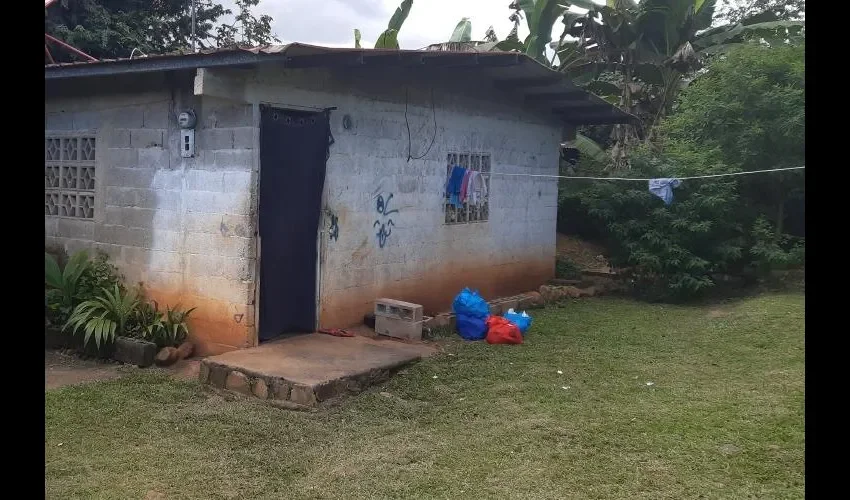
[[623, 132]]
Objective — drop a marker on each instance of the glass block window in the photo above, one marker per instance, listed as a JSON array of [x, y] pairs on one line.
[[69, 176], [469, 212]]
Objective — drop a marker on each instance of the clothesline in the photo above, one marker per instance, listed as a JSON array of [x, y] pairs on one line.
[[642, 179]]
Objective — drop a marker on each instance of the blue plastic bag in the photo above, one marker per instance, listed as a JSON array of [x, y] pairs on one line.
[[469, 303], [521, 320], [471, 328]]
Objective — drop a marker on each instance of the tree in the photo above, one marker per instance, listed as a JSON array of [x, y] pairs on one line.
[[246, 29], [747, 112], [109, 29], [750, 107], [735, 11], [389, 38]]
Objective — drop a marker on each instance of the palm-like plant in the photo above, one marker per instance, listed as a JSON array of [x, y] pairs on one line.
[[63, 284], [104, 317]]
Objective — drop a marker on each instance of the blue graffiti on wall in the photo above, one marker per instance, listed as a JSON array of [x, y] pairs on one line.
[[384, 228]]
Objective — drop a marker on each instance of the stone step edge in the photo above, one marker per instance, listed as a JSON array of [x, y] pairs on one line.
[[284, 393]]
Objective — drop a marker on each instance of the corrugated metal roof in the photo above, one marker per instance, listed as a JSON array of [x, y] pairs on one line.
[[540, 86]]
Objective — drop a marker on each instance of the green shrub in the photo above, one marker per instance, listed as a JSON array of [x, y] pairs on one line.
[[98, 275], [774, 252], [164, 328], [671, 251], [63, 286], [105, 316], [565, 268]]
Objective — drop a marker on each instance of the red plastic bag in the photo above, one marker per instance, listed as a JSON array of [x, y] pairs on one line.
[[502, 331]]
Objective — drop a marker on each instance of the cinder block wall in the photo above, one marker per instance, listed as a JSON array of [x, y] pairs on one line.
[[182, 227], [424, 260], [185, 227]]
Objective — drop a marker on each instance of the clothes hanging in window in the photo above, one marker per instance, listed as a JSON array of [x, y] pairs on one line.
[[663, 188], [464, 186], [476, 188], [453, 185]]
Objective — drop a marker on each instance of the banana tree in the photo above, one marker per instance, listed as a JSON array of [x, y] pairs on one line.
[[389, 38]]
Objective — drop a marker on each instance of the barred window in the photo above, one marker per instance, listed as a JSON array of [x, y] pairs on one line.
[[470, 210], [69, 176]]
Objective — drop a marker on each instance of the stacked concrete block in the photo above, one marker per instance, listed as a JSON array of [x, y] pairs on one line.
[[399, 319]]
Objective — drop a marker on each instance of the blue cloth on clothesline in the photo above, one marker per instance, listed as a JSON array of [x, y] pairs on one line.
[[663, 188], [454, 185]]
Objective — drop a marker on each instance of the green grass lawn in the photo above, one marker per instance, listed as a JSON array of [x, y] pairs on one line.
[[722, 418]]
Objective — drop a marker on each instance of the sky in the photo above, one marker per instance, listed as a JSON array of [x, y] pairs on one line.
[[332, 22]]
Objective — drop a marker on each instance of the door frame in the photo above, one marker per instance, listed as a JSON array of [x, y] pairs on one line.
[[320, 246]]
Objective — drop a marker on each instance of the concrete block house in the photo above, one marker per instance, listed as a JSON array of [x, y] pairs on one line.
[[286, 188]]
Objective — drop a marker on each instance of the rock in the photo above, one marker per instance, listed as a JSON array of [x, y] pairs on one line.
[[587, 292], [185, 350], [261, 389], [203, 373], [238, 382], [303, 395], [280, 389], [572, 292], [510, 304], [547, 293], [134, 352], [534, 300], [218, 374], [166, 356]]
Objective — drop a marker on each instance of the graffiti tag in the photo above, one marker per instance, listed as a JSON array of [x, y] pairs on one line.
[[384, 228]]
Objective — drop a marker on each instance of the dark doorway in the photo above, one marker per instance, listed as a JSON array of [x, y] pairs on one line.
[[293, 155]]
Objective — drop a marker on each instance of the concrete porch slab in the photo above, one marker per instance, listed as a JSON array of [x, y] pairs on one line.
[[304, 370]]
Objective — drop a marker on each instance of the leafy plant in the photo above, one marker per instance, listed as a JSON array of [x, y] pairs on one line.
[[163, 328], [105, 316], [565, 268], [98, 275], [63, 285], [389, 38], [175, 326], [770, 253], [147, 321]]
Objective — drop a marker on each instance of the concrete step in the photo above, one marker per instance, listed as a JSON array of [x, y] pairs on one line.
[[303, 371]]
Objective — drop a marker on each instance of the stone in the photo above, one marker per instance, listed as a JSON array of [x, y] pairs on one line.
[[572, 292], [281, 389], [509, 304], [303, 395], [330, 389], [548, 293], [203, 373], [218, 375], [587, 292], [185, 350], [166, 356], [238, 382], [134, 351], [261, 389]]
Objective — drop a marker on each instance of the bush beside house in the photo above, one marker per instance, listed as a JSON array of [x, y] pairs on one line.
[[88, 308]]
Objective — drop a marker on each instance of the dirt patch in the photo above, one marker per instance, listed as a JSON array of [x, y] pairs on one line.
[[61, 369], [587, 256]]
